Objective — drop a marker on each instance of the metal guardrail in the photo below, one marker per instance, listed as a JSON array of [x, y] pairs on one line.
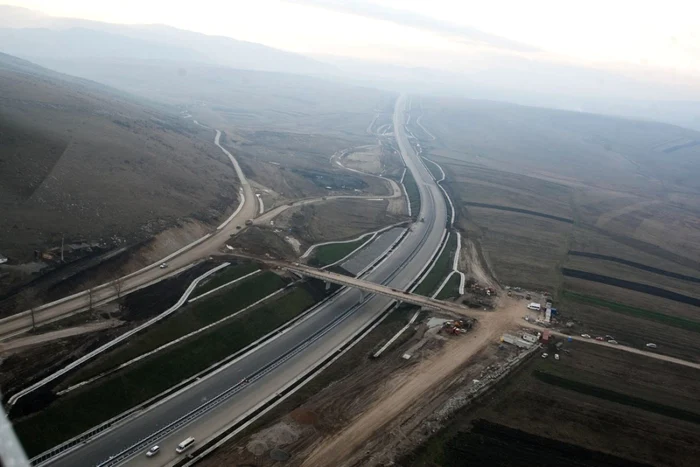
[[88, 435], [13, 400]]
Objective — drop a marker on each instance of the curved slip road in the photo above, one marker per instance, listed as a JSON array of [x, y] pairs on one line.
[[398, 271]]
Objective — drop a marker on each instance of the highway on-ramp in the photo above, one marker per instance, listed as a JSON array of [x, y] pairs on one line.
[[341, 317]]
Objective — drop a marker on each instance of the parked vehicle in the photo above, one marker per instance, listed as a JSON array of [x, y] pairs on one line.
[[587, 336], [600, 338], [153, 451], [163, 265], [186, 444], [612, 341], [651, 345], [545, 355]]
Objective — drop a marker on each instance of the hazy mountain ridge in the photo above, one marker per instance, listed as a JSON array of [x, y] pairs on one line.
[[32, 35]]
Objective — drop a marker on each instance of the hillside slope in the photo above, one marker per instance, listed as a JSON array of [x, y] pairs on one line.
[[85, 161]]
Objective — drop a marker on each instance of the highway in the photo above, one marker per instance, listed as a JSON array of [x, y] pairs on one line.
[[18, 324], [341, 317]]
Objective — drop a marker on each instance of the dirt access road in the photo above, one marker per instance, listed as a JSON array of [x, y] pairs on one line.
[[405, 390], [402, 394], [248, 209]]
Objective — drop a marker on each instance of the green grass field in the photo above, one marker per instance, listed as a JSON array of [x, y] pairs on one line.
[[451, 289], [190, 318], [636, 312], [79, 410], [440, 270], [329, 254], [229, 274]]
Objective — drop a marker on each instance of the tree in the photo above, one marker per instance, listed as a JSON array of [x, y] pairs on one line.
[[118, 286], [30, 302], [91, 297]]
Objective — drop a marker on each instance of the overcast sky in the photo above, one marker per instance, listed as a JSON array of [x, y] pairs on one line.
[[442, 33]]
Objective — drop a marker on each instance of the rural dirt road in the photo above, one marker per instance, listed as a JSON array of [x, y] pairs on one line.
[[24, 342]]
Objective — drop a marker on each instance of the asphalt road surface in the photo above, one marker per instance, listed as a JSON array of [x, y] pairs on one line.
[[398, 271]]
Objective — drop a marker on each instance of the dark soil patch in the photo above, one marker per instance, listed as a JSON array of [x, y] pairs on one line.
[[636, 286]]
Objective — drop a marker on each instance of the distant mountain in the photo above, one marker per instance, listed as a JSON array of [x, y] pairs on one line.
[[89, 162], [32, 35], [85, 43]]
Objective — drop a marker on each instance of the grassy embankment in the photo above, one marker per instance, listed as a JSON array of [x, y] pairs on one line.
[[451, 289], [329, 254], [413, 194], [440, 270], [229, 274], [185, 321], [84, 408]]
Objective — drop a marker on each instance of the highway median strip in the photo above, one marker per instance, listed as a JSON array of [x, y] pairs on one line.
[[85, 408], [192, 317]]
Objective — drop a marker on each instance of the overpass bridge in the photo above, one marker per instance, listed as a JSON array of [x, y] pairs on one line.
[[371, 287]]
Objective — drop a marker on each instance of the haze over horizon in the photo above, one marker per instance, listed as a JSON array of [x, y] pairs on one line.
[[627, 37]]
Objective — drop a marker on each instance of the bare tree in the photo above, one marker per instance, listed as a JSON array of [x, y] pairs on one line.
[[118, 285], [30, 302], [91, 297]]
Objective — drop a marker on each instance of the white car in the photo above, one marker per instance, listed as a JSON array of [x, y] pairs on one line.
[[545, 355], [163, 265], [186, 444], [587, 336], [153, 451], [612, 341], [651, 345], [556, 356]]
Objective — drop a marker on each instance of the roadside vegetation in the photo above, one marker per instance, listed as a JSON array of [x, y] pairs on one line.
[[440, 270], [433, 169], [329, 254], [192, 317], [451, 289], [82, 409], [229, 274], [413, 195]]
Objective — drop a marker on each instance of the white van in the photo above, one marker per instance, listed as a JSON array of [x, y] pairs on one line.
[[185, 445], [534, 306]]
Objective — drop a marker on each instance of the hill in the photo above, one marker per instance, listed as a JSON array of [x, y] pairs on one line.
[[36, 36], [86, 161]]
